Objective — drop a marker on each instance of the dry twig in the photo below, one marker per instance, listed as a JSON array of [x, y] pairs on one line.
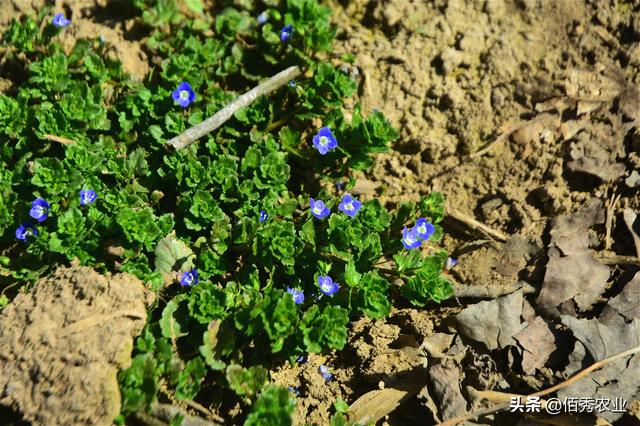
[[582, 374], [192, 134], [59, 139], [617, 259], [166, 412], [473, 224], [489, 292], [610, 212]]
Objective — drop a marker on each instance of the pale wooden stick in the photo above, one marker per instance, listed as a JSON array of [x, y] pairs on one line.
[[617, 259], [59, 139], [478, 226], [192, 134]]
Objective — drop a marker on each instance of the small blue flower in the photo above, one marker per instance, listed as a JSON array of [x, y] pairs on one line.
[[294, 390], [286, 33], [425, 228], [324, 141], [39, 209], [189, 278], [340, 185], [59, 21], [183, 95], [87, 196], [302, 359], [451, 263], [25, 230], [410, 238], [327, 286], [263, 17], [263, 216], [318, 209], [292, 83], [324, 372], [298, 295], [349, 205]]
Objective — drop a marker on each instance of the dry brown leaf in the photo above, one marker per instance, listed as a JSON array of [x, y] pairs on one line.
[[568, 232], [631, 220], [437, 344], [493, 322], [627, 303], [374, 405], [537, 342], [445, 378], [618, 379], [574, 282], [596, 154]]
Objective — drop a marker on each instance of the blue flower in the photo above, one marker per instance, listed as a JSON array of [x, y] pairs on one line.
[[324, 372], [292, 83], [262, 18], [318, 209], [294, 390], [39, 209], [451, 262], [302, 359], [183, 95], [425, 228], [410, 238], [189, 278], [298, 295], [59, 21], [25, 230], [286, 32], [87, 196], [340, 185], [349, 205], [327, 286], [263, 216], [324, 141]]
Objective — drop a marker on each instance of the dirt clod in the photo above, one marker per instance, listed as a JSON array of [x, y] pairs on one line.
[[62, 344]]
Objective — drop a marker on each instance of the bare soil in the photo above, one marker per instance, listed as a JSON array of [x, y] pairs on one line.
[[63, 343]]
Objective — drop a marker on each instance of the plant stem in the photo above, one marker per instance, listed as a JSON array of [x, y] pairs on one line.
[[192, 134]]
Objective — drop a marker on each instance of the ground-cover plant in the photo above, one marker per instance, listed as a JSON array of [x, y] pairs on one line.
[[256, 254]]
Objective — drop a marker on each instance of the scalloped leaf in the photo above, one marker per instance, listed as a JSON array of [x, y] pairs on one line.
[[172, 257]]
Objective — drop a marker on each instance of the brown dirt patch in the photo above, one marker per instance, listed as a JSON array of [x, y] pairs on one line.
[[455, 75], [90, 19], [77, 333]]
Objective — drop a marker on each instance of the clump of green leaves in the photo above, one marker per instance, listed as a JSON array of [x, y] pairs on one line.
[[160, 213]]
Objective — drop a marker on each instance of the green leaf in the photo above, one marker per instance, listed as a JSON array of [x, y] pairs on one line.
[[172, 255], [280, 320], [308, 232], [326, 329], [207, 303], [424, 287], [408, 260], [372, 297], [274, 407], [142, 226], [247, 382], [433, 207], [341, 406], [351, 275], [170, 326], [190, 379], [195, 5], [213, 340]]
